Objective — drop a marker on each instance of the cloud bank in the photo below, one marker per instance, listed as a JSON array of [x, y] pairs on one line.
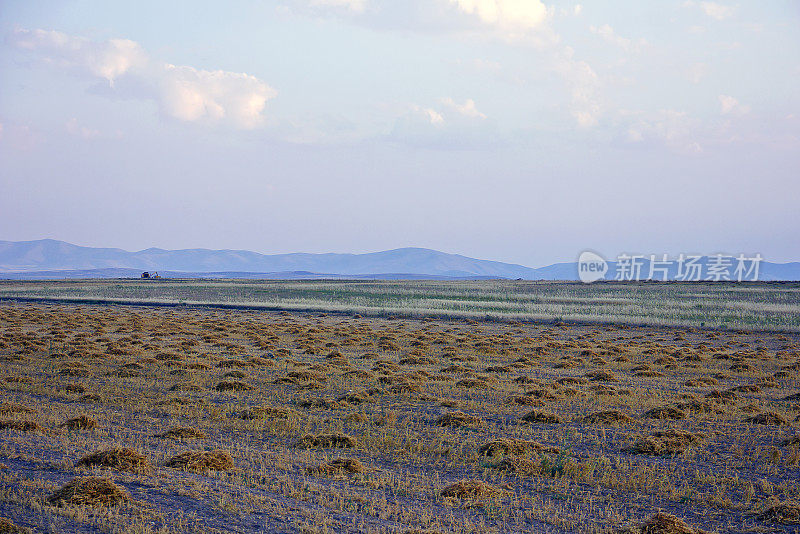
[[180, 91]]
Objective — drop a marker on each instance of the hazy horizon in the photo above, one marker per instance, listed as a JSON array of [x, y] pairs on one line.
[[516, 131]]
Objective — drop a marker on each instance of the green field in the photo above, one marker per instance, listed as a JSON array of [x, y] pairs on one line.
[[749, 306]]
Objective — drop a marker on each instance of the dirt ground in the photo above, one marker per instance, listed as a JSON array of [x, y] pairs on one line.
[[136, 419]]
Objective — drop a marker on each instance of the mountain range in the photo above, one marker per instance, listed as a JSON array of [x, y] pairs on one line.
[[51, 259]]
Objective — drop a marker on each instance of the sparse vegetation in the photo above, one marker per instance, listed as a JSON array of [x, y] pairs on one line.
[[228, 419], [202, 461], [89, 491]]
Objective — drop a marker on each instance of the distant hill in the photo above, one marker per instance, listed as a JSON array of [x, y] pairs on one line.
[[48, 255], [51, 259]]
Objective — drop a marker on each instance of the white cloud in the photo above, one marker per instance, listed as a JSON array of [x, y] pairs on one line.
[[467, 109], [451, 125], [506, 14], [181, 92], [712, 9], [107, 60], [715, 10], [674, 129], [520, 21], [426, 115], [353, 5], [729, 105], [523, 22], [583, 83], [191, 94], [607, 33]]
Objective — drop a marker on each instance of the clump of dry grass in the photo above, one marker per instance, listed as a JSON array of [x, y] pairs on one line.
[[512, 446], [537, 416], [355, 398], [338, 466], [767, 418], [696, 406], [787, 513], [124, 372], [235, 374], [20, 426], [326, 441], [202, 461], [472, 383], [7, 408], [232, 385], [794, 440], [519, 466], [663, 523], [9, 527], [120, 458], [655, 447], [182, 432], [82, 422], [607, 418], [602, 375], [665, 412], [470, 489], [522, 400], [91, 491], [458, 419]]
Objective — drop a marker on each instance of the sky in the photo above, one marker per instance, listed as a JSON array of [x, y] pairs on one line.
[[513, 130]]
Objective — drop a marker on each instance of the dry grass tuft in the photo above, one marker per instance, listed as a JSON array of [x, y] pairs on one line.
[[537, 416], [20, 426], [607, 418], [326, 441], [232, 385], [656, 446], [202, 461], [602, 375], [787, 513], [665, 412], [794, 440], [338, 466], [120, 458], [458, 419], [7, 408], [768, 418], [9, 527], [91, 491], [470, 489], [82, 422], [519, 466], [472, 383], [182, 432], [663, 523]]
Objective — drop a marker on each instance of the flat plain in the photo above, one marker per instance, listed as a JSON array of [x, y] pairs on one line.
[[193, 419], [773, 306]]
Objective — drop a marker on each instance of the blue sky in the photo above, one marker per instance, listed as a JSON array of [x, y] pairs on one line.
[[513, 130]]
